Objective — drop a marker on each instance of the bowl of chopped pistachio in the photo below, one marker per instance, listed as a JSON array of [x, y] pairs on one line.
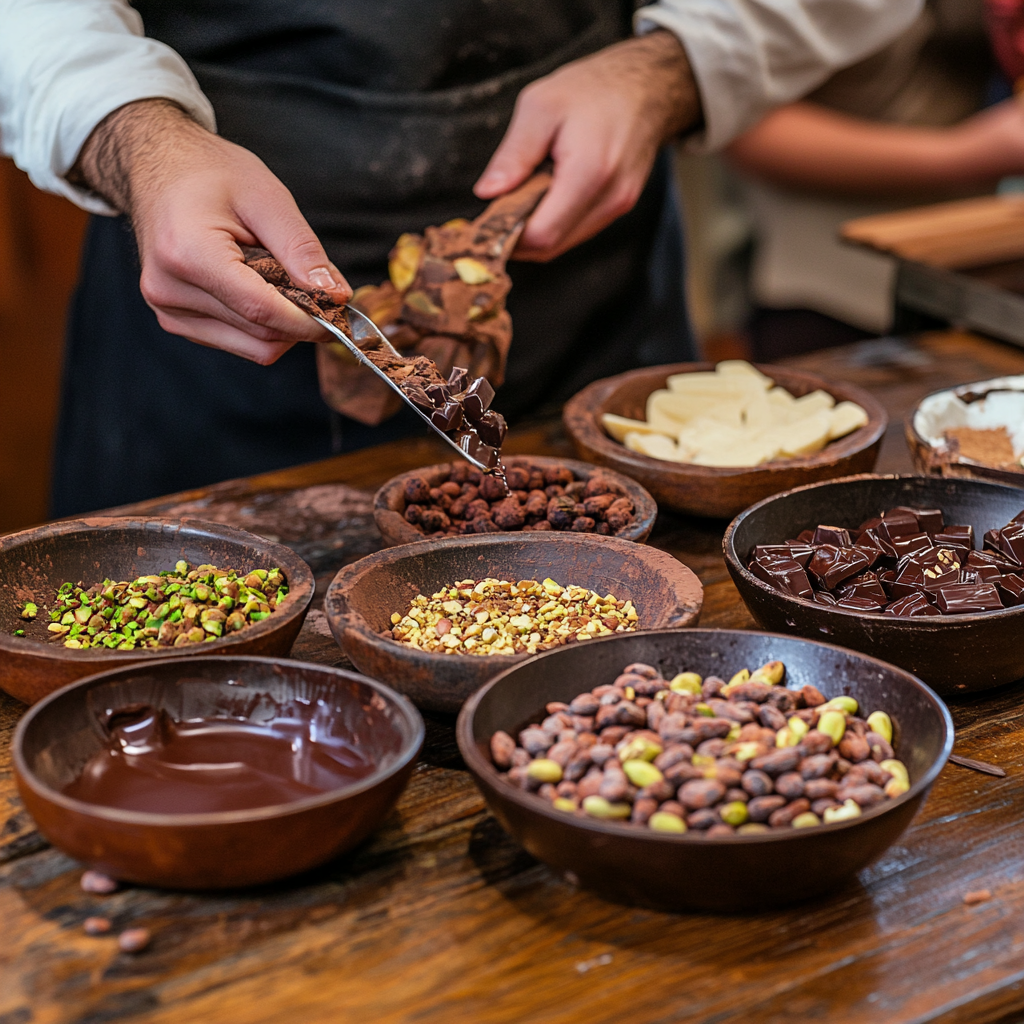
[[80, 596], [437, 619]]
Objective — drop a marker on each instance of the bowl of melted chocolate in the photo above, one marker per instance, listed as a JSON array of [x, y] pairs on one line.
[[923, 572], [214, 773]]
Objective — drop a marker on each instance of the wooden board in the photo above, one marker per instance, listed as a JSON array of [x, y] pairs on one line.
[[440, 918], [954, 235]]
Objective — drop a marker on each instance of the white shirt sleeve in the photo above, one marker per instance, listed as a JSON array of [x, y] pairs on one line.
[[65, 65], [749, 56]]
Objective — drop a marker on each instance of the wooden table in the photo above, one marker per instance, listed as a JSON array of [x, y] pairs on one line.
[[441, 918]]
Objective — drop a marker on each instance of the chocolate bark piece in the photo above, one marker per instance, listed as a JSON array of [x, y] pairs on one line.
[[897, 523], [979, 574], [866, 585], [911, 580], [784, 574], [1011, 589], [886, 577], [963, 598], [824, 597], [830, 565], [931, 519], [457, 379], [835, 535], [805, 537], [874, 538], [989, 558], [911, 606]]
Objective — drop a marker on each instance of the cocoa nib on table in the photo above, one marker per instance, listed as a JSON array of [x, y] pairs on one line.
[[907, 562]]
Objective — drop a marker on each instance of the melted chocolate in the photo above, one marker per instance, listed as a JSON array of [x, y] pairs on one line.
[[155, 764]]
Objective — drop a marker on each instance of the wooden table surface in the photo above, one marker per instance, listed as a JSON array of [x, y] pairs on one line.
[[441, 918]]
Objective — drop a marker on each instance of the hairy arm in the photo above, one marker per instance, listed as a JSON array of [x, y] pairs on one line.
[[192, 199], [810, 147]]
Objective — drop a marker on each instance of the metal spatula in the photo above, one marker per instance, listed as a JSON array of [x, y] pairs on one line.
[[366, 335]]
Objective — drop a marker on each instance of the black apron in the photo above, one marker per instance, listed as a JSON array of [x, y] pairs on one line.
[[378, 117]]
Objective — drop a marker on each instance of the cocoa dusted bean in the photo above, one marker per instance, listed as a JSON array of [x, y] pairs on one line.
[[817, 766], [778, 761], [760, 808], [757, 783], [788, 784], [818, 789], [811, 696], [699, 793], [749, 733], [712, 687], [783, 817], [816, 743], [502, 748], [771, 717], [854, 748], [701, 819], [417, 490]]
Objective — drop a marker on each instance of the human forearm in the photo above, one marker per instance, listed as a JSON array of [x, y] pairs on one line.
[[810, 147]]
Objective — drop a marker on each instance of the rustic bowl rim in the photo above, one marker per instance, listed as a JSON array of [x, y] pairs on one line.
[[974, 470], [923, 622], [409, 751], [480, 765], [637, 531], [581, 424], [299, 576], [350, 619]]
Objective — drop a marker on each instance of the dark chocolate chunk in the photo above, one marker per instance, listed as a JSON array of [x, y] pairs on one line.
[[831, 565], [1011, 542], [911, 542], [449, 417], [798, 552], [836, 535], [1011, 589], [865, 585], [418, 396], [860, 604], [438, 394], [898, 523], [989, 558], [962, 598], [477, 398], [476, 449], [931, 519], [962, 536], [457, 379], [805, 536], [492, 428], [824, 597], [784, 574]]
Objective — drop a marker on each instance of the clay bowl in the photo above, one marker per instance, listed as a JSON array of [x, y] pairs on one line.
[[706, 490], [954, 655], [730, 874], [225, 849], [932, 461], [389, 502], [363, 595], [34, 563]]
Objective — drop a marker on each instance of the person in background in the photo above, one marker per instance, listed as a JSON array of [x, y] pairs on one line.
[[911, 124], [323, 129]]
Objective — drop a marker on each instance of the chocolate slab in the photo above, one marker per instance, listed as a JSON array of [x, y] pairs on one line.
[[910, 606], [962, 598], [1011, 590], [831, 565], [836, 535], [784, 574]]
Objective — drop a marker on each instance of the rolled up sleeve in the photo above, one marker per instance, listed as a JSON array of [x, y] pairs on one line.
[[65, 65], [749, 56]]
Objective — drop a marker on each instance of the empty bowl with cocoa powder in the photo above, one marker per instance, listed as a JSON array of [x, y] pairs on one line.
[[363, 596], [391, 501], [727, 874]]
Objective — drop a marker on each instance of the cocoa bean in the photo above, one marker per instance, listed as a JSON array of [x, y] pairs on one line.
[[728, 709], [881, 749], [771, 717], [562, 752], [535, 740], [818, 789], [672, 727], [736, 794], [502, 748], [788, 784], [701, 819], [712, 748], [760, 808], [566, 788], [816, 743], [699, 793], [821, 806], [757, 783], [673, 807], [683, 772], [816, 766], [556, 723], [613, 733], [643, 808], [783, 699], [720, 829], [778, 761], [601, 752], [520, 758], [659, 791], [655, 713], [783, 817], [627, 713], [675, 753], [590, 783], [712, 687], [606, 716], [866, 795], [853, 747], [751, 690], [811, 696], [583, 723]]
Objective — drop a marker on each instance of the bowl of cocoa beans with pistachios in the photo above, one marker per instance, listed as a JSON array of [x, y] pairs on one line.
[[705, 770], [81, 596]]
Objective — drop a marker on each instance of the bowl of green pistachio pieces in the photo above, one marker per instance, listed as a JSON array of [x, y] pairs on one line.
[[79, 595]]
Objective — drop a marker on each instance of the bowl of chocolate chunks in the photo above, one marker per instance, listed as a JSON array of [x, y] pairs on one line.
[[709, 770], [924, 572], [539, 494]]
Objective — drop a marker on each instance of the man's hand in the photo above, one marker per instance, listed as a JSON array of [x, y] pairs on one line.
[[193, 198], [602, 119]]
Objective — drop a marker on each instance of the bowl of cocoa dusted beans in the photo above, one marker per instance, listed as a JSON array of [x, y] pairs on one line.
[[708, 770], [454, 499]]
